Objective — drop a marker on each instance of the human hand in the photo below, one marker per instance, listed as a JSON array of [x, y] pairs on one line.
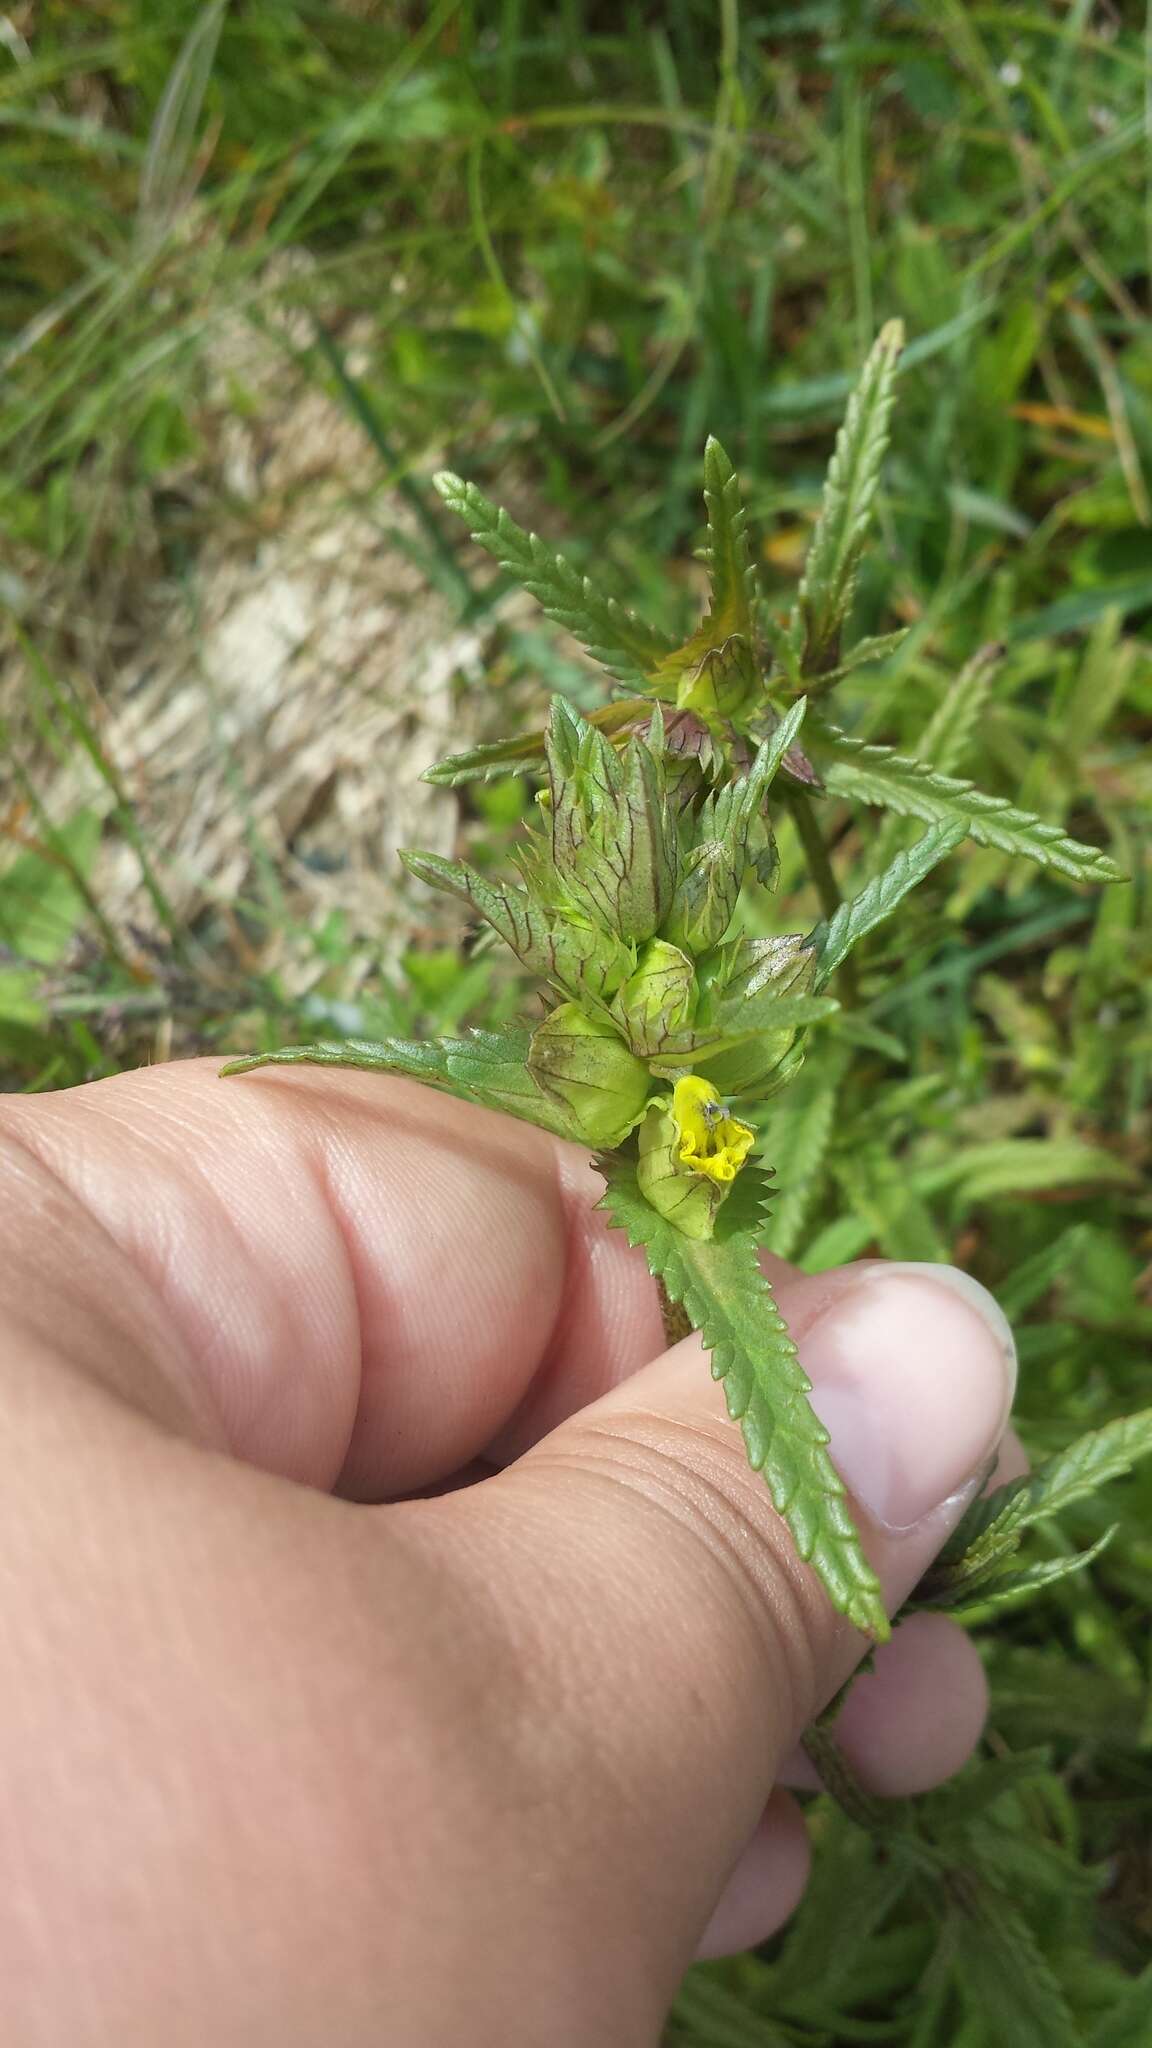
[[280, 1767]]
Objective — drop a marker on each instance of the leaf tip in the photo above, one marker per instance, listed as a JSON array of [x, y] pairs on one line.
[[869, 1617], [421, 866], [715, 456]]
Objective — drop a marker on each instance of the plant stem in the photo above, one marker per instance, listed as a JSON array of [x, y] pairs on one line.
[[677, 1322], [824, 876], [822, 1749]]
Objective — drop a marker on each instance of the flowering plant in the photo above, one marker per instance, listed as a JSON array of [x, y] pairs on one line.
[[667, 1028]]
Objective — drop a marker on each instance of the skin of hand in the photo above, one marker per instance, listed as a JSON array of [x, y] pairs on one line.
[[303, 1738]]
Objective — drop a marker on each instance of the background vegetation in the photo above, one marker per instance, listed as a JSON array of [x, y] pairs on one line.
[[554, 246]]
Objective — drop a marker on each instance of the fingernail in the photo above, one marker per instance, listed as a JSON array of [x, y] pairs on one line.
[[913, 1370]]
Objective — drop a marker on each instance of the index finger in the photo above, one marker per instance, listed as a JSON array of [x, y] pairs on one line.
[[374, 1282]]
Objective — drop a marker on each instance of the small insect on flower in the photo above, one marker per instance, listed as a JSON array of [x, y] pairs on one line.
[[709, 1140]]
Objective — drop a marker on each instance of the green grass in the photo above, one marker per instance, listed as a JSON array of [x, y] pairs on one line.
[[584, 237]]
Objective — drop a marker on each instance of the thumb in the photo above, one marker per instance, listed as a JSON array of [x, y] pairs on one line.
[[676, 1644]]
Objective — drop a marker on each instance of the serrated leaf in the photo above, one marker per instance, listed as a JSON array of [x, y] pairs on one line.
[[847, 505], [1021, 1166], [949, 730], [495, 757], [715, 671], [993, 1525], [801, 1130], [731, 575], [989, 1589], [1085, 1466], [627, 647], [526, 750], [511, 912], [1030, 1866], [947, 737], [486, 1067], [877, 775], [835, 938], [720, 1285], [855, 1884], [1007, 1981], [874, 647]]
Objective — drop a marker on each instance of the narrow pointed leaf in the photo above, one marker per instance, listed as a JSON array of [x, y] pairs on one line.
[[511, 912], [731, 576], [715, 672], [876, 775], [953, 723], [835, 939], [526, 750], [994, 1524], [993, 1590], [801, 1131], [1086, 1465], [874, 647], [720, 1285], [623, 644], [486, 1067], [495, 757], [849, 500], [779, 743]]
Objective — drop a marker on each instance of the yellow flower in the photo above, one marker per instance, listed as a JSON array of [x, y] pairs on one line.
[[709, 1141]]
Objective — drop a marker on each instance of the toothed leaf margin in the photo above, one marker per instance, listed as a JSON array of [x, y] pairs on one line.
[[730, 1303]]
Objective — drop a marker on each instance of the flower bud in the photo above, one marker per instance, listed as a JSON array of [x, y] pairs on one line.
[[656, 1003], [705, 898], [691, 1151], [587, 1075]]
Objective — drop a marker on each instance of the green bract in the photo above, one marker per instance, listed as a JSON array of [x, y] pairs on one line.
[[668, 1026], [612, 849]]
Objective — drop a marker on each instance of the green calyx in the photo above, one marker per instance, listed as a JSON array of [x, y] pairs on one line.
[[613, 849], [587, 1076], [655, 1006]]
